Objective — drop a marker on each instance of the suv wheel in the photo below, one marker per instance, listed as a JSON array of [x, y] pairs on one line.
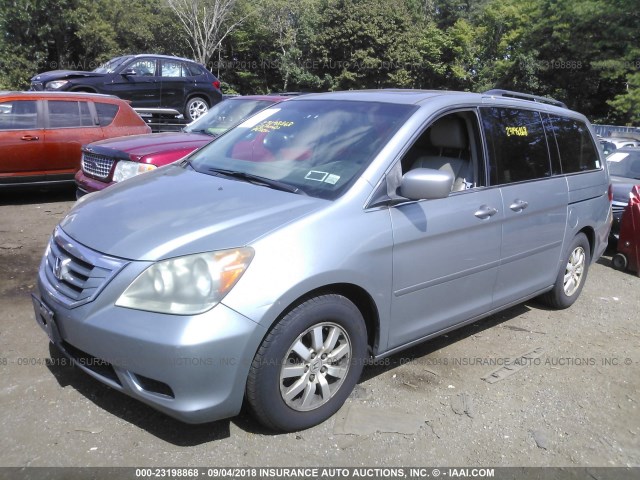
[[195, 108], [308, 364]]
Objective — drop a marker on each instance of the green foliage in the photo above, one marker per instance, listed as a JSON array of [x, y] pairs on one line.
[[41, 35], [626, 106], [584, 52]]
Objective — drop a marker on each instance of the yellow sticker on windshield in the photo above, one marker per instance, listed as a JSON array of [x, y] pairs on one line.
[[517, 131], [269, 125]]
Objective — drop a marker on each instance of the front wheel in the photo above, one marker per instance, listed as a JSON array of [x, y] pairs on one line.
[[572, 276], [308, 364], [195, 108]]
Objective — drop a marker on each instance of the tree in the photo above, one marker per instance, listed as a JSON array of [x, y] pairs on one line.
[[363, 43], [585, 49], [289, 22], [205, 23], [41, 35], [626, 106]]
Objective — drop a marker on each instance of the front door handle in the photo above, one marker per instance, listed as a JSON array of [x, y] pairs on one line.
[[29, 138], [518, 205], [485, 212]]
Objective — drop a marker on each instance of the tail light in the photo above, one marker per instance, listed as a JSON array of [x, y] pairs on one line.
[[610, 193], [216, 84]]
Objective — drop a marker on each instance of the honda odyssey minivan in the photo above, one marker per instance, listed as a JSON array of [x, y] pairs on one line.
[[272, 264]]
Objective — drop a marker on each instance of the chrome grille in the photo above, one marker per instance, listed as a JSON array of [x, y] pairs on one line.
[[75, 272], [37, 86], [618, 207], [97, 165]]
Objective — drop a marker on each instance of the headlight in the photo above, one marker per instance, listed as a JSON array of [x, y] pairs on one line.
[[187, 285], [125, 169], [56, 84]]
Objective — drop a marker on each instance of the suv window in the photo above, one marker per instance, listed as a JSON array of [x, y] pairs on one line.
[[66, 113], [18, 115], [145, 67], [517, 145], [172, 69], [193, 69], [574, 144], [106, 113]]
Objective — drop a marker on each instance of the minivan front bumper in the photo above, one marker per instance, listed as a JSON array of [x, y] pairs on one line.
[[193, 368]]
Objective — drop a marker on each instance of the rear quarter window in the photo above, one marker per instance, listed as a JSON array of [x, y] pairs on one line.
[[193, 69], [575, 145], [516, 144], [106, 113]]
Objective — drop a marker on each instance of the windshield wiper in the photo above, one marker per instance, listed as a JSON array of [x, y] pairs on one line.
[[258, 180], [201, 130]]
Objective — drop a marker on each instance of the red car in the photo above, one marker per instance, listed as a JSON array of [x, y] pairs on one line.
[[110, 161], [41, 133]]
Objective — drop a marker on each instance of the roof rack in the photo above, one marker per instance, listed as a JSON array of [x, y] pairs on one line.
[[525, 96]]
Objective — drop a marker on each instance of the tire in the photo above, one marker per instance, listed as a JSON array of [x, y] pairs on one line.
[[308, 364], [572, 276], [619, 262], [195, 108]]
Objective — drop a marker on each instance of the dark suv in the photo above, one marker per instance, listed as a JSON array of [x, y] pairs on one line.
[[153, 83]]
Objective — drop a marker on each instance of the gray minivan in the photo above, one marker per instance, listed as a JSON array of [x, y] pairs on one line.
[[327, 230]]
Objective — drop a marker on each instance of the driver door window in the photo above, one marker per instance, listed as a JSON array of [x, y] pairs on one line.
[[451, 143], [144, 68]]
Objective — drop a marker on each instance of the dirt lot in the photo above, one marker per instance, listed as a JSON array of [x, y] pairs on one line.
[[576, 402]]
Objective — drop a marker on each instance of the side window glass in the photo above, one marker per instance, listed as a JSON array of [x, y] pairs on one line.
[[86, 120], [452, 144], [171, 69], [106, 113], [574, 143], [517, 145], [67, 114], [18, 115], [194, 70], [144, 68]]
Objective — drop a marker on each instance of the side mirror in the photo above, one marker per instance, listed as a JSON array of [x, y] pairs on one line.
[[128, 72], [426, 184]]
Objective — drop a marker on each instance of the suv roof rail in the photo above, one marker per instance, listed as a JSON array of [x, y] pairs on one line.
[[525, 96]]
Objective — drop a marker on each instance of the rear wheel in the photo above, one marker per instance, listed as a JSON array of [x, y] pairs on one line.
[[308, 364], [195, 108], [619, 262], [571, 278]]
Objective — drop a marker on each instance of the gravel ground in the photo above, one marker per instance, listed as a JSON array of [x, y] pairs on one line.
[[575, 402]]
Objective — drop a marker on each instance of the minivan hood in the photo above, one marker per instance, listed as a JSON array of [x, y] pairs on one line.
[[175, 211], [153, 143]]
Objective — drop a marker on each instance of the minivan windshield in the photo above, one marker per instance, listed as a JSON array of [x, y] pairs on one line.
[[315, 147], [224, 115]]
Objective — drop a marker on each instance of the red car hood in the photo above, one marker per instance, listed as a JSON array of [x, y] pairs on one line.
[[154, 143]]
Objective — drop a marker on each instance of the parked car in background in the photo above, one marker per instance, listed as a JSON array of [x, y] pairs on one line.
[[620, 142], [41, 133], [154, 83], [607, 147], [111, 161], [624, 168]]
